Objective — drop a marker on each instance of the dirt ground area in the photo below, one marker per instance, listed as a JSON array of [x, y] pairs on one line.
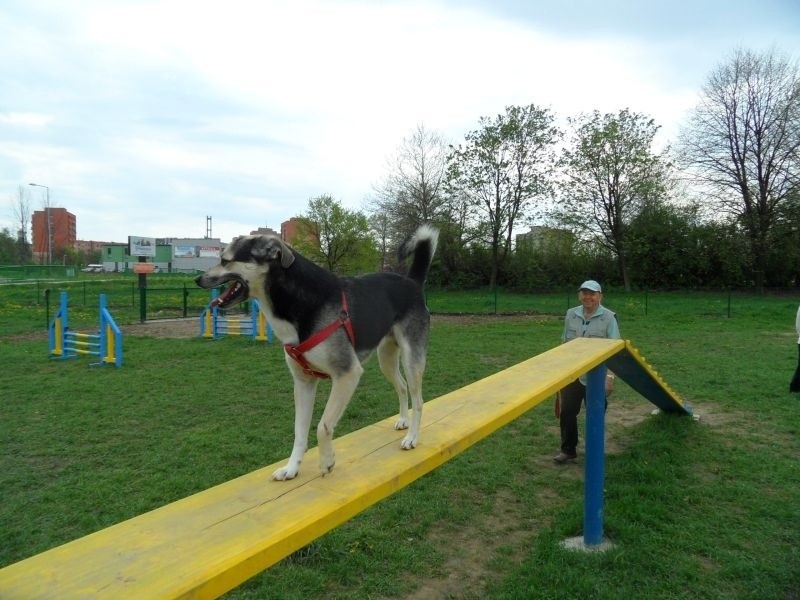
[[190, 327], [167, 328]]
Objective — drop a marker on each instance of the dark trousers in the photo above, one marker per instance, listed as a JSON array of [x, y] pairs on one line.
[[572, 397], [794, 384]]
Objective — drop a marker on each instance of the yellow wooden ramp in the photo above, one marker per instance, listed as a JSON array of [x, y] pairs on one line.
[[207, 544]]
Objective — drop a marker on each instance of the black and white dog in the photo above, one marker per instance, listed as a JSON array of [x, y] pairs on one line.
[[330, 325]]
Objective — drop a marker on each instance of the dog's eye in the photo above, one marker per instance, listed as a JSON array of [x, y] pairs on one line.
[[224, 261]]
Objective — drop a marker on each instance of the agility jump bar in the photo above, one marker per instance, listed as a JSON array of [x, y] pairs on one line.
[[206, 544], [214, 324], [106, 343]]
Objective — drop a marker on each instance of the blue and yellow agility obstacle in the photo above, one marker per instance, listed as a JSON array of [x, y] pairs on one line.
[[214, 324], [206, 544], [105, 344]]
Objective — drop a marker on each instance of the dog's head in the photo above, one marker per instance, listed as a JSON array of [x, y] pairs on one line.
[[244, 266]]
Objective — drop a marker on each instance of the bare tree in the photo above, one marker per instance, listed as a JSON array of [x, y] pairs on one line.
[[742, 143], [379, 223], [22, 215], [413, 191]]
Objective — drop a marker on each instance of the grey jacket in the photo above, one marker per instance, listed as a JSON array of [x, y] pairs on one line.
[[602, 324]]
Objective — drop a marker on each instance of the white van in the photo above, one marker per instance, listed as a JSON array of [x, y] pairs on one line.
[[93, 269]]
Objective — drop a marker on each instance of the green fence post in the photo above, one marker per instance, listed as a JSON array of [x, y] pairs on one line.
[[142, 292], [47, 308]]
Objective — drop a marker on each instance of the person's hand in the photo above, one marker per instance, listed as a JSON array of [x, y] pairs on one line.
[[609, 383]]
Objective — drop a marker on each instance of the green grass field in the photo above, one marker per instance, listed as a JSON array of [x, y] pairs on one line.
[[707, 509]]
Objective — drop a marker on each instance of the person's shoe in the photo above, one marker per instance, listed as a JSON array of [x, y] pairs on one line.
[[562, 458]]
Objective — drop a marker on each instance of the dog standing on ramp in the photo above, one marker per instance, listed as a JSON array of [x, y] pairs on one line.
[[330, 325]]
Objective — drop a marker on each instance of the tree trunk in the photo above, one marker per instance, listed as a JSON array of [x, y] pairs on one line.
[[493, 272], [623, 267]]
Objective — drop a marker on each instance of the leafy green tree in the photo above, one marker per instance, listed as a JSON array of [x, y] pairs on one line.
[[501, 169], [544, 258], [8, 248], [719, 248], [610, 172], [663, 249], [337, 238], [742, 143], [783, 263]]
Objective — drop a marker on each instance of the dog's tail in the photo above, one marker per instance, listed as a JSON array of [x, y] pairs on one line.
[[422, 245]]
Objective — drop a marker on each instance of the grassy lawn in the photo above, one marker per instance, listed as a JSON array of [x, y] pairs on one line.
[[706, 509]]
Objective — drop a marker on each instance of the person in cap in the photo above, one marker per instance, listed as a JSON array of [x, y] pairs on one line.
[[590, 319]]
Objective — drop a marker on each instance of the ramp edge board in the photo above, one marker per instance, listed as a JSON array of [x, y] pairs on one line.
[[630, 366], [208, 543]]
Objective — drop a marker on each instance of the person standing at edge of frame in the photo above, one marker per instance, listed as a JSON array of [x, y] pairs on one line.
[[590, 319], [794, 384]]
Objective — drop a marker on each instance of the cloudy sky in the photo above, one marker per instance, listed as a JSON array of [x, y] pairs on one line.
[[144, 117]]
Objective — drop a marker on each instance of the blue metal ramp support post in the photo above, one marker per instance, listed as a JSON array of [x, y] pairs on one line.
[[595, 456]]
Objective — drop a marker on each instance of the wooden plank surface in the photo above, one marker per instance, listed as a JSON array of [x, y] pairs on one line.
[[208, 543]]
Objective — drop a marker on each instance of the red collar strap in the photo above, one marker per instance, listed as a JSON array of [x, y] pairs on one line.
[[297, 352]]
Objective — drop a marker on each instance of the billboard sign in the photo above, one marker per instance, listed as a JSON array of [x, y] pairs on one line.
[[141, 246], [184, 251], [208, 251]]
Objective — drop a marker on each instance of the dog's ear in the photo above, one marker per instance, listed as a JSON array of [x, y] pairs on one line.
[[270, 249]]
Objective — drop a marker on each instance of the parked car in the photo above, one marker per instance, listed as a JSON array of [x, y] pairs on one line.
[[93, 269]]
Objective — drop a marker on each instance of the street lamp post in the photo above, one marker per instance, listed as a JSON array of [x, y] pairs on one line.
[[49, 225]]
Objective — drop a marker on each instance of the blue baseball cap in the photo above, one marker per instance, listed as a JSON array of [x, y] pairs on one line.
[[591, 285]]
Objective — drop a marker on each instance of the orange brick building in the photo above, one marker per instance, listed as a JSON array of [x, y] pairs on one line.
[[62, 233], [291, 231]]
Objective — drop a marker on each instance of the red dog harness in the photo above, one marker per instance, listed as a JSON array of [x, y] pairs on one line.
[[297, 352]]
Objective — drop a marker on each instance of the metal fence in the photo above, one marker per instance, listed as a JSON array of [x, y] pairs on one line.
[[163, 299], [674, 304]]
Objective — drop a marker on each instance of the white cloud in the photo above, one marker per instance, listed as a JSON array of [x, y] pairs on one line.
[[152, 115], [22, 119]]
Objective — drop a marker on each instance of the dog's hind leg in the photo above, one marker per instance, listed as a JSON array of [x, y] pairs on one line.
[[342, 388], [413, 356], [389, 361], [305, 391]]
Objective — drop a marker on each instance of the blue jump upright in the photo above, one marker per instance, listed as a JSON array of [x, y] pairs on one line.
[[106, 344], [214, 324]]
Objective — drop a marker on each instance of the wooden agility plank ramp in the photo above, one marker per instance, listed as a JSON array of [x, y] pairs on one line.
[[209, 543]]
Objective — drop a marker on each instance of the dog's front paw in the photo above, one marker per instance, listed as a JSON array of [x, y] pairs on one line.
[[409, 443], [402, 423], [285, 473], [326, 465]]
